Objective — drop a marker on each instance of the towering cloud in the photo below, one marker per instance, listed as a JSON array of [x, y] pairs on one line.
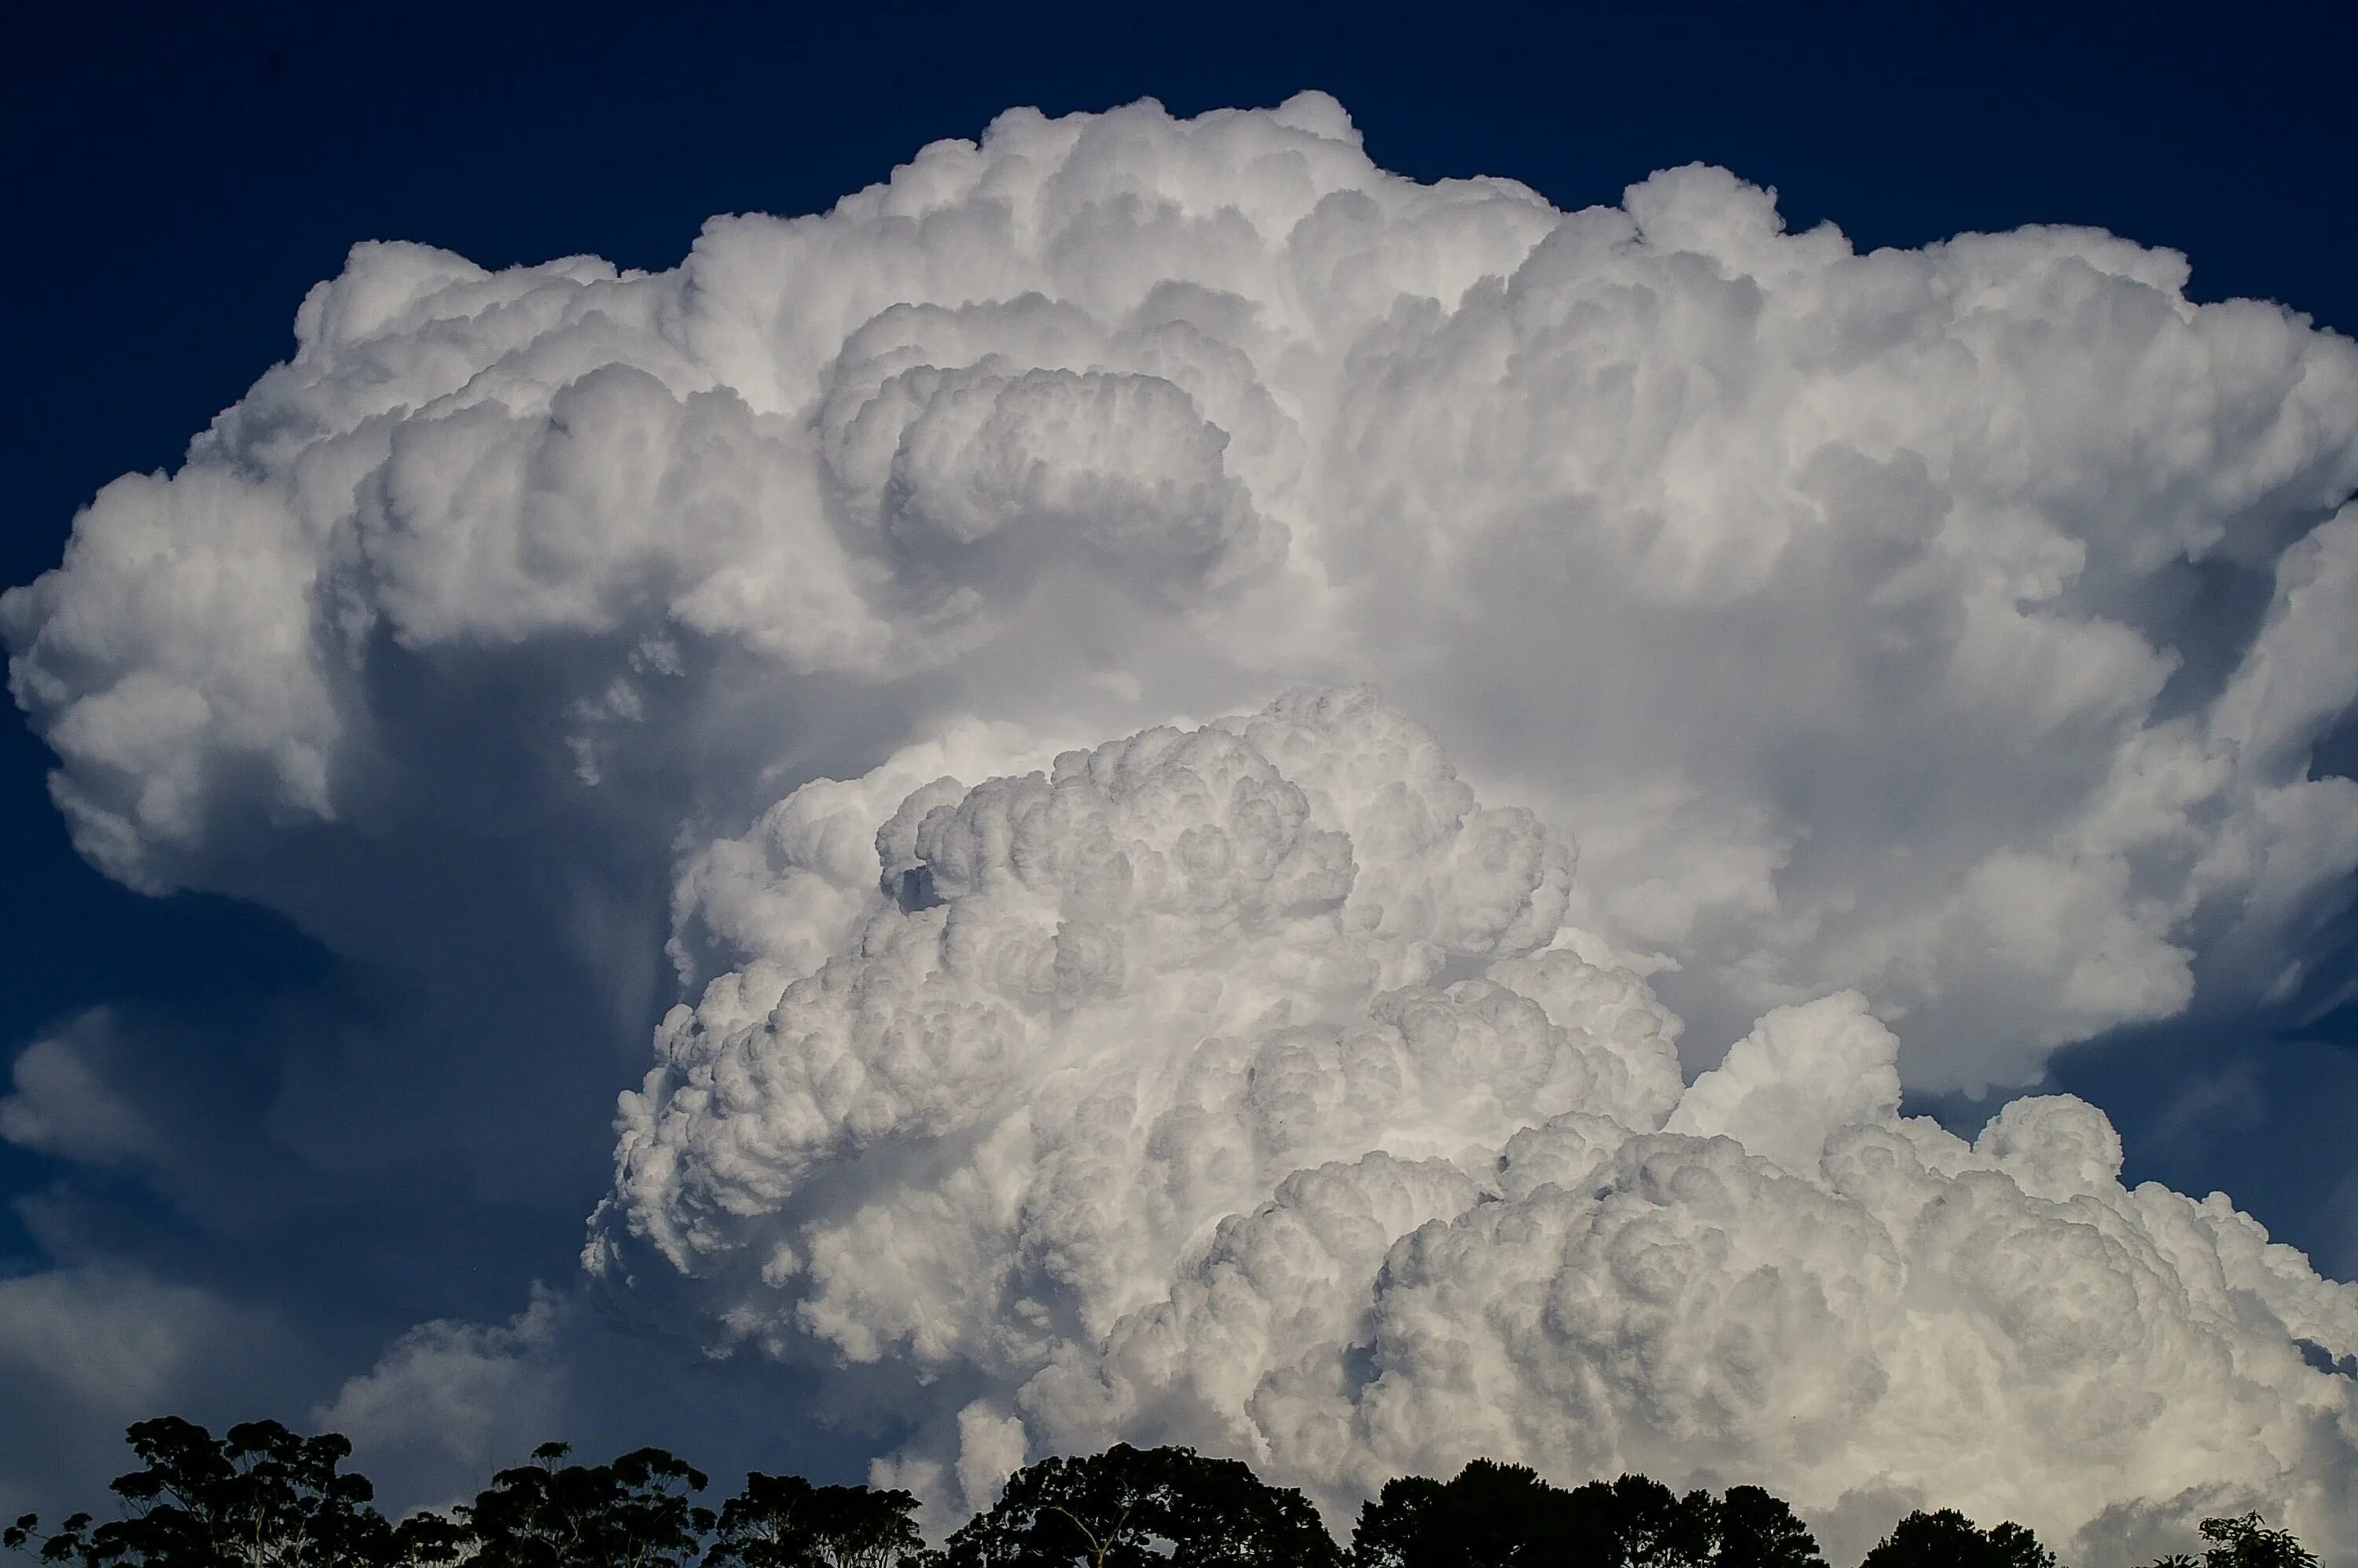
[[1242, 1086], [1947, 645]]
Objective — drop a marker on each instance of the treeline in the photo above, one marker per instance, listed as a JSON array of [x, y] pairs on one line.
[[262, 1497]]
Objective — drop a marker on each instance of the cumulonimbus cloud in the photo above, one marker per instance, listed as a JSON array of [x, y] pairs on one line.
[[1961, 631], [1957, 624], [1243, 1087]]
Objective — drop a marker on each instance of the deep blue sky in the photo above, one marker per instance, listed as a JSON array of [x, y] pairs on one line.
[[179, 176]]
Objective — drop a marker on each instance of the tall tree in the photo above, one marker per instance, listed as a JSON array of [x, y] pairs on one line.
[[258, 1496], [1947, 1538], [2246, 1541], [1492, 1515], [632, 1513], [1130, 1507], [1647, 1525], [1757, 1530], [784, 1522], [1505, 1515], [1488, 1516]]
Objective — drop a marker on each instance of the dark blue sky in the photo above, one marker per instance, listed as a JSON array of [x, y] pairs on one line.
[[179, 176]]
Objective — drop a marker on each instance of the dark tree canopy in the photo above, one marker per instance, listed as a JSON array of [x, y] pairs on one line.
[[632, 1513], [262, 1497], [1949, 1539], [258, 1495], [1644, 1524], [1130, 1507], [1757, 1529], [2246, 1541], [784, 1522], [1494, 1514], [1489, 1514]]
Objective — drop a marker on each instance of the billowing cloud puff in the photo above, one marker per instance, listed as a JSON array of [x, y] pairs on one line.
[[454, 1400], [1195, 910], [1959, 625], [1239, 1086]]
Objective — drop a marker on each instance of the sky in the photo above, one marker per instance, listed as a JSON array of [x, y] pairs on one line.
[[317, 1038]]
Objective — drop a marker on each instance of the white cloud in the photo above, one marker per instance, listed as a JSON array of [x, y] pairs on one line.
[[115, 1339], [63, 1104], [1858, 610], [1871, 620], [119, 1087], [448, 1402], [1239, 1086]]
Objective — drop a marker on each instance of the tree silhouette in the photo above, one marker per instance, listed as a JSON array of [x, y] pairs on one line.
[[1647, 1525], [632, 1513], [1949, 1539], [2246, 1541], [262, 1497], [784, 1522], [1492, 1515], [1487, 1516], [1757, 1529], [258, 1496], [1130, 1507]]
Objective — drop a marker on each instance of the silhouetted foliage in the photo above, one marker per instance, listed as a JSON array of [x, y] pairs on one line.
[[1489, 1514], [1757, 1529], [1647, 1525], [1130, 1507], [1496, 1514], [262, 1497], [258, 1495], [1949, 1539], [2246, 1541], [784, 1522], [632, 1513]]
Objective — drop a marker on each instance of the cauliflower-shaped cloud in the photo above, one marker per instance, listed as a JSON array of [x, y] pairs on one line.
[[1239, 1086], [1946, 643], [1114, 1003], [1960, 626]]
